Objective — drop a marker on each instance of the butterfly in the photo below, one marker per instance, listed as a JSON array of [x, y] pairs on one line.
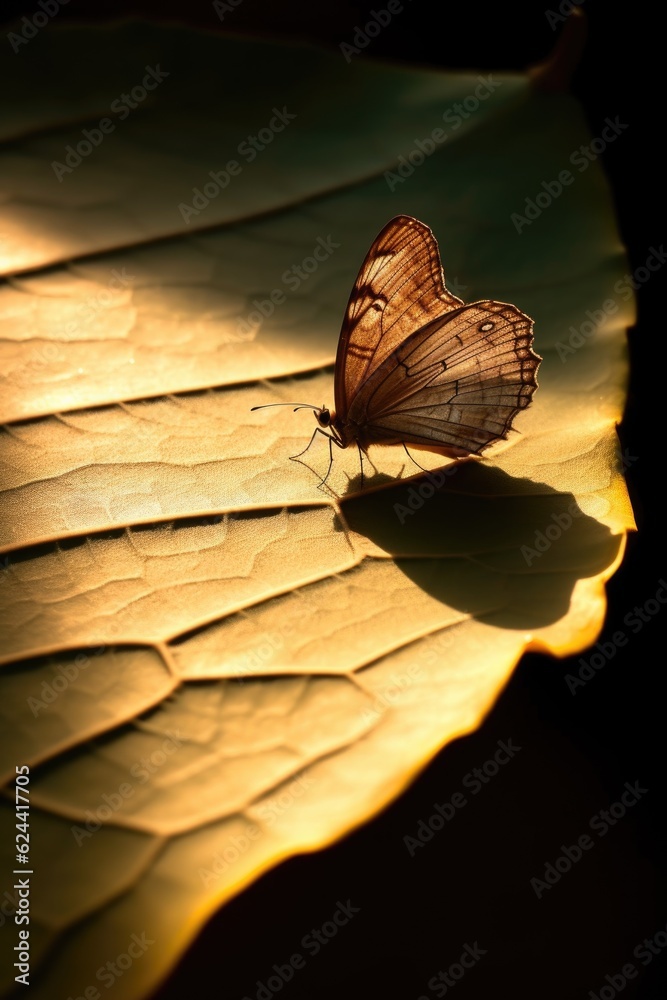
[[417, 366]]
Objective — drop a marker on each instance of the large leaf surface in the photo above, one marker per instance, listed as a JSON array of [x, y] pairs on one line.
[[259, 664]]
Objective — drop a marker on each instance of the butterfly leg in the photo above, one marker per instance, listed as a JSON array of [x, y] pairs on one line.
[[362, 452], [293, 458], [373, 467], [330, 459], [332, 440], [412, 459]]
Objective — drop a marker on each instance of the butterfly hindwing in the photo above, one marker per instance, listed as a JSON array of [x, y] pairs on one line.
[[454, 385], [400, 289]]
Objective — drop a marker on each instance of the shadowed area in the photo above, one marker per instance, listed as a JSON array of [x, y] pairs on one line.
[[501, 549]]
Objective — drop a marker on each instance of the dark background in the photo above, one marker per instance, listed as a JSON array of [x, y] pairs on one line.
[[472, 881]]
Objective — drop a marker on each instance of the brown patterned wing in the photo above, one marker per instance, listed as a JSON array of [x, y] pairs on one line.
[[400, 288], [455, 385]]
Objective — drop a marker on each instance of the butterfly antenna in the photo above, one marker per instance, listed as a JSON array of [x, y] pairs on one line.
[[297, 406]]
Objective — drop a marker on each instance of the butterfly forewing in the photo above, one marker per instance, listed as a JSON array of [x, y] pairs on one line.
[[400, 289]]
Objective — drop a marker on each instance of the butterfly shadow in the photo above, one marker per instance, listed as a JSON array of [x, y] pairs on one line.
[[503, 550]]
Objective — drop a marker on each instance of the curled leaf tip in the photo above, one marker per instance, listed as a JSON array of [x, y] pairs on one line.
[[555, 74]]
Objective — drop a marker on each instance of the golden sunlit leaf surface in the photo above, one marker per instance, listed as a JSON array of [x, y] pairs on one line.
[[209, 663]]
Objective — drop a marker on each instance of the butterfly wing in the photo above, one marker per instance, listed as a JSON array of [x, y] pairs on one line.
[[453, 386], [400, 288]]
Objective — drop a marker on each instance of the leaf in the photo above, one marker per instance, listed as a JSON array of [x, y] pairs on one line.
[[208, 662]]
